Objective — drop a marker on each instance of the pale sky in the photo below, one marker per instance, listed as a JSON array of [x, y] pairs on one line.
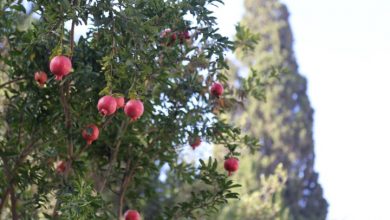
[[343, 48]]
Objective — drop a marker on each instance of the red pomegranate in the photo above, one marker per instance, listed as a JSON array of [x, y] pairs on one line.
[[168, 36], [134, 109], [132, 215], [120, 102], [90, 133], [231, 165], [186, 35], [216, 89], [61, 167], [195, 142], [173, 37], [183, 36], [165, 33], [107, 105], [60, 66], [40, 77]]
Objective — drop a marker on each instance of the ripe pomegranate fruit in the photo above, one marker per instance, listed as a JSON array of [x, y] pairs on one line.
[[165, 33], [216, 89], [120, 102], [186, 35], [134, 109], [168, 36], [231, 165], [61, 167], [132, 215], [195, 142], [90, 133], [183, 36], [60, 66], [173, 37], [40, 77], [107, 105]]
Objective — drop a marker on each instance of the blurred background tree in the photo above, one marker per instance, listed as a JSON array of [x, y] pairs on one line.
[[283, 124]]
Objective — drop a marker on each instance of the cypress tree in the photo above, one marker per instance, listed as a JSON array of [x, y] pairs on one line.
[[284, 123]]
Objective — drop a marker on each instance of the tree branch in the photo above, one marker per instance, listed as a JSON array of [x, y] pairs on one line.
[[68, 122], [114, 153], [128, 176], [107, 121], [12, 81], [72, 38], [65, 95], [8, 176], [13, 204], [55, 213], [123, 188], [4, 199], [25, 152]]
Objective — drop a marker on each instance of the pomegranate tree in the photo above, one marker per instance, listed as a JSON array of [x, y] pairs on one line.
[[167, 108]]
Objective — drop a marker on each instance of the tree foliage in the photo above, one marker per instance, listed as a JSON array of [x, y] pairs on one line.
[[125, 54]]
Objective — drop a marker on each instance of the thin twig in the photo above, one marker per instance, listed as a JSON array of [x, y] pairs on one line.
[[8, 176], [64, 98], [106, 122], [13, 204], [4, 199], [114, 153], [56, 206], [76, 156], [68, 122], [123, 188], [72, 38], [12, 81], [127, 177], [21, 122]]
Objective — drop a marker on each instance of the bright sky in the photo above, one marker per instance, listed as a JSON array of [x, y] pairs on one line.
[[343, 48]]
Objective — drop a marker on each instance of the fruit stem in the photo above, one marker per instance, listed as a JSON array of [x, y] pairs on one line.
[[81, 151]]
